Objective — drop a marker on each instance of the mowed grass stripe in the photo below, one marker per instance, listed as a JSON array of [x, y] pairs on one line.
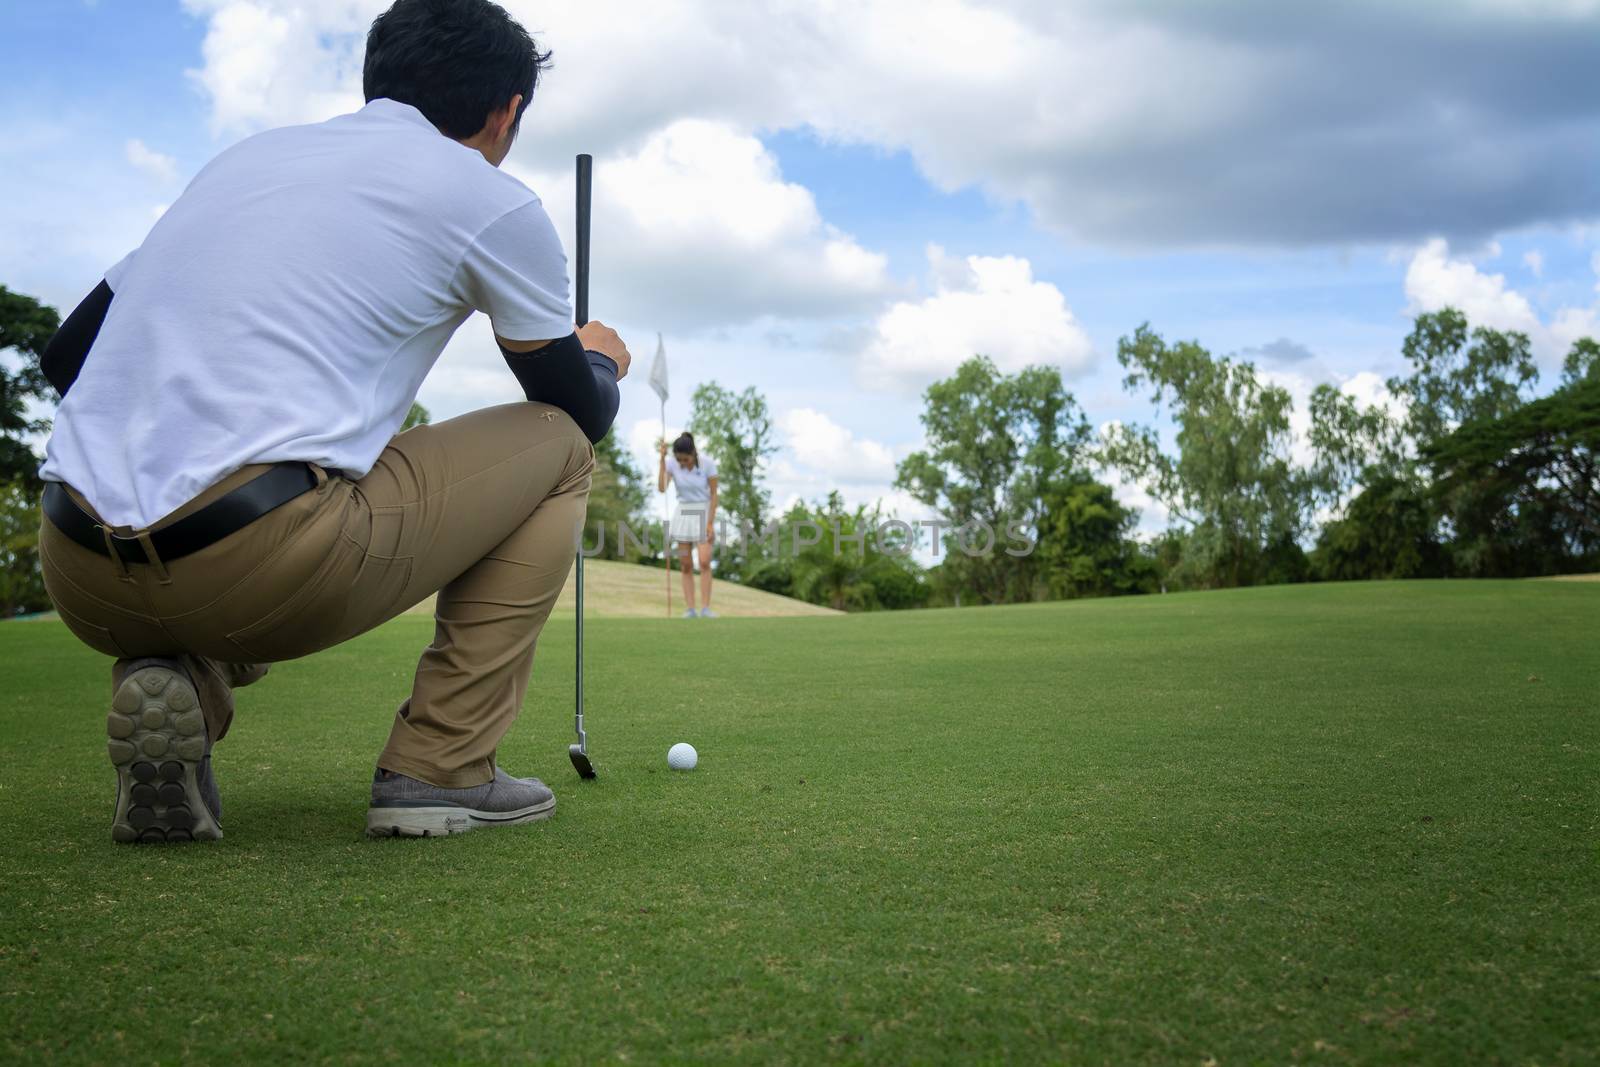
[[1346, 823]]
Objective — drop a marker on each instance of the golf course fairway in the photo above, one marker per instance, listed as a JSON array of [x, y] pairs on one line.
[[1325, 824]]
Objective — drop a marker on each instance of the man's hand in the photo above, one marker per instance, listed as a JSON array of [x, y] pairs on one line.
[[598, 337]]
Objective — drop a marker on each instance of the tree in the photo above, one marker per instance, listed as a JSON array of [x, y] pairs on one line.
[[1231, 483], [1165, 551], [1400, 525], [1523, 487], [617, 497], [1583, 362], [417, 416], [1353, 446], [1512, 479], [1460, 374], [26, 327], [855, 563], [1084, 545], [999, 450], [1388, 531], [21, 583], [735, 429]]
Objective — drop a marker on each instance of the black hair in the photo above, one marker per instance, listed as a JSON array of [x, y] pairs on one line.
[[684, 446], [453, 60]]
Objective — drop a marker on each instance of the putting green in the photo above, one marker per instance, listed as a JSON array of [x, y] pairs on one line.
[[1341, 824], [627, 590]]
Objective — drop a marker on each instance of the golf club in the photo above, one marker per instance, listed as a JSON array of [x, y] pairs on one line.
[[580, 751]]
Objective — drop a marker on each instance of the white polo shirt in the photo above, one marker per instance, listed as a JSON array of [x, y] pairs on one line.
[[693, 483], [290, 303]]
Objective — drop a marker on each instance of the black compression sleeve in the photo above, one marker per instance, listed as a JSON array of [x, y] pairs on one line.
[[63, 357], [583, 384]]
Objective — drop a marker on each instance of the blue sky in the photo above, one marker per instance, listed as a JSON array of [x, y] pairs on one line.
[[1321, 201]]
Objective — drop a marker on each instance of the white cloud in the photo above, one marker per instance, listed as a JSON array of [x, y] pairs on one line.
[[1154, 516], [1534, 260], [1299, 387], [639, 439], [162, 168], [470, 373], [277, 62], [694, 224], [1370, 389], [1569, 324], [989, 305], [824, 446], [697, 227], [793, 483], [1435, 279], [1367, 388], [1109, 120], [1153, 519]]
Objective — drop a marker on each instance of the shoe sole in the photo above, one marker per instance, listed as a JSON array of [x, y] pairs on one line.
[[444, 820], [156, 736]]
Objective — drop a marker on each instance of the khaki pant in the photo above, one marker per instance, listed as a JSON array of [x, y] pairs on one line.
[[484, 509]]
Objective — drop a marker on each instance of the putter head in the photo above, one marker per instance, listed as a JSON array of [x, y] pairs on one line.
[[580, 762]]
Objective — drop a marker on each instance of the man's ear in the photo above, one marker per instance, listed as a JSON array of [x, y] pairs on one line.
[[508, 120]]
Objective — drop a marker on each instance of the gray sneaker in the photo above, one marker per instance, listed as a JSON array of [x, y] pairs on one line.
[[406, 807], [691, 614], [707, 613], [157, 739]]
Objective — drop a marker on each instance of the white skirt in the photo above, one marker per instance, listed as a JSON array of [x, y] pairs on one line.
[[689, 524]]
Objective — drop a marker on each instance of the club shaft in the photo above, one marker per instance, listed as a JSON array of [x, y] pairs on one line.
[[581, 282], [581, 286]]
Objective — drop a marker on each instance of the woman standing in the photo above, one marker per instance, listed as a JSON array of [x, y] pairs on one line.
[[696, 479]]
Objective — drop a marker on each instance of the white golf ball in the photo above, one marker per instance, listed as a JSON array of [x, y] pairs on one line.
[[682, 756]]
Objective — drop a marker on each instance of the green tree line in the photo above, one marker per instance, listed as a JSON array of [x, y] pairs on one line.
[[1469, 474]]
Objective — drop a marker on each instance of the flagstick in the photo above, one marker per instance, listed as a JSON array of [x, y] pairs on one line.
[[666, 544], [658, 382]]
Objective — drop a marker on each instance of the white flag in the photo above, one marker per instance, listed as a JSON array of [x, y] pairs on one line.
[[658, 370]]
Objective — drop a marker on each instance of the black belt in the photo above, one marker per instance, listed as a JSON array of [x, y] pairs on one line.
[[227, 514]]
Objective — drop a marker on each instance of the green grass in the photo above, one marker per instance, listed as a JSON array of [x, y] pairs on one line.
[[1339, 824]]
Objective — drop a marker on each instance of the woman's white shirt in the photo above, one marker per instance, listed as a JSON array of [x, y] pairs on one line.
[[693, 483]]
